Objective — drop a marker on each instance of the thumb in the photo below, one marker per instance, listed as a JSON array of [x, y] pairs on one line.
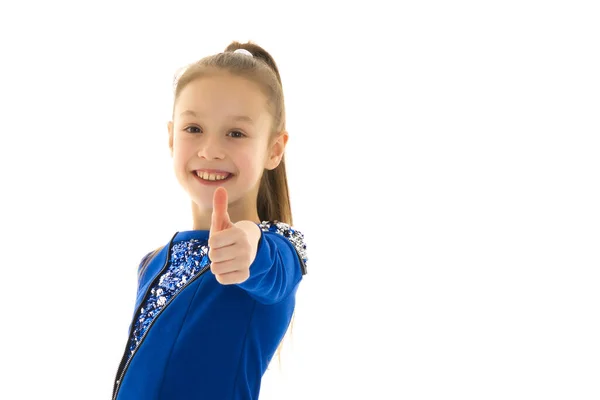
[[220, 216]]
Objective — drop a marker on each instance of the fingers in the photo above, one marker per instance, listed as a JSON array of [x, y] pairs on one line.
[[225, 267], [229, 252], [225, 238], [232, 278]]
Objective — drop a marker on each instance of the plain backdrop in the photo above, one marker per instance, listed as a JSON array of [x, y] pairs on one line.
[[443, 165]]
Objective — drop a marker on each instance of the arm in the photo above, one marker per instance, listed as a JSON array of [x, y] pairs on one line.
[[276, 269]]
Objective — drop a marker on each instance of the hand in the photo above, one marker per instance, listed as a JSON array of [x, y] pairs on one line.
[[231, 250]]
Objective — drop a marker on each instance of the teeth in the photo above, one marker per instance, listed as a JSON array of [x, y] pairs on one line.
[[211, 177]]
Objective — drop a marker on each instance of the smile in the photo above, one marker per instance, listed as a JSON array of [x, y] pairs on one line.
[[212, 179]]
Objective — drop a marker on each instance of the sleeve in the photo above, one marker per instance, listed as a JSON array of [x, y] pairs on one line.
[[140, 273], [279, 265], [144, 266]]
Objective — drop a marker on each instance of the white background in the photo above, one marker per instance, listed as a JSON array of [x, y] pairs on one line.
[[443, 164]]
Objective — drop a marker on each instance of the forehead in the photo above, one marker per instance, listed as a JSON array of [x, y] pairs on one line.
[[223, 93]]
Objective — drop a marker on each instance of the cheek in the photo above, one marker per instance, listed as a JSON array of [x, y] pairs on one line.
[[181, 154], [182, 147], [250, 160]]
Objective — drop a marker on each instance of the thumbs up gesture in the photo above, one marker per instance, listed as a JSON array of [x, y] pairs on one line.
[[232, 247]]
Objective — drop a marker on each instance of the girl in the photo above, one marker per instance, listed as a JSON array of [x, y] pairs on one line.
[[214, 303]]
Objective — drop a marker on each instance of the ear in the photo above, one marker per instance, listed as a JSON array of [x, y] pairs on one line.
[[277, 150], [170, 129]]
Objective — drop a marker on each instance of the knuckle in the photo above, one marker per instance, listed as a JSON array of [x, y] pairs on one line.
[[214, 268]]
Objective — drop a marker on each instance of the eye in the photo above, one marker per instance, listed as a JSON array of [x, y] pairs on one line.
[[191, 127], [241, 135]]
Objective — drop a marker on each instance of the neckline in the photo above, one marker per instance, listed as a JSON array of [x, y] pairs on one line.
[[199, 234], [191, 234]]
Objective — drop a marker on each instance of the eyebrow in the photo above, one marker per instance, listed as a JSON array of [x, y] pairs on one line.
[[241, 118]]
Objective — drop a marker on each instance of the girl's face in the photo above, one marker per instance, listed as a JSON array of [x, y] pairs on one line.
[[221, 122]]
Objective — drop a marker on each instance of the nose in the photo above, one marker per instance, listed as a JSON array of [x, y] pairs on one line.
[[210, 148]]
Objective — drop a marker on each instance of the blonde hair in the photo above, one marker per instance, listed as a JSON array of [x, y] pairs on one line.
[[273, 201]]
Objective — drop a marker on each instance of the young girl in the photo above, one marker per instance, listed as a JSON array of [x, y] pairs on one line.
[[213, 304]]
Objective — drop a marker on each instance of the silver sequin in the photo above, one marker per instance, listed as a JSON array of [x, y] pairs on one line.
[[187, 259], [294, 236]]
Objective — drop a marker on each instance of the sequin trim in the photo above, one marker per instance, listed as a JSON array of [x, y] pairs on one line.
[[187, 259], [294, 236]]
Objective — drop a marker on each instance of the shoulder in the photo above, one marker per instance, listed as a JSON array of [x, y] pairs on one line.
[[146, 260], [290, 233]]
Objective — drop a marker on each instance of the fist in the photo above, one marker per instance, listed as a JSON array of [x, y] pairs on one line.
[[230, 249]]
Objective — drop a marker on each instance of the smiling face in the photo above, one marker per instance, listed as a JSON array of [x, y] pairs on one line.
[[221, 123]]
